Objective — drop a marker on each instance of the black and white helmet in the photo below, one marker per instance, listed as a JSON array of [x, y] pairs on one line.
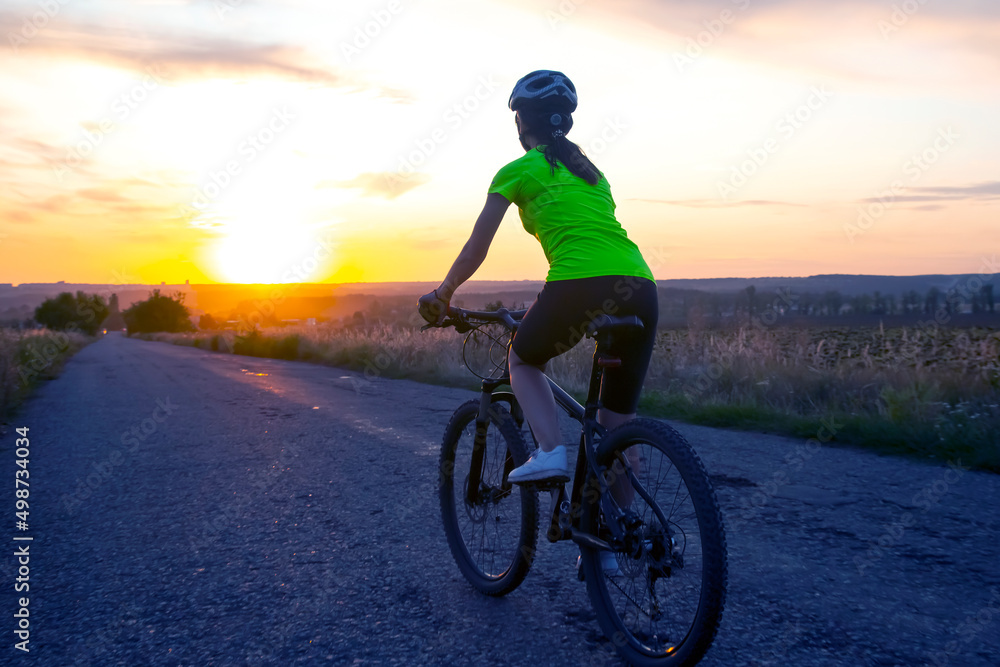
[[544, 88]]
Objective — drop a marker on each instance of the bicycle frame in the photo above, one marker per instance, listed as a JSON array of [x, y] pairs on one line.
[[565, 515]]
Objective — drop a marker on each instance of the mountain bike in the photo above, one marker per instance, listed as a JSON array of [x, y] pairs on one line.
[[641, 507]]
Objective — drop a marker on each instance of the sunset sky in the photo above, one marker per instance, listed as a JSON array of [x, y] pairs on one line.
[[255, 141]]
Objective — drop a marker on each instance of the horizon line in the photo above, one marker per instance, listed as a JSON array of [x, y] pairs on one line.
[[187, 283]]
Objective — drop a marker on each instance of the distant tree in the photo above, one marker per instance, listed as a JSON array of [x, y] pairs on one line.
[[878, 305], [986, 292], [751, 299], [716, 303], [931, 301], [890, 304], [207, 322], [805, 305], [862, 304], [84, 312], [158, 313], [911, 301], [832, 302], [494, 306]]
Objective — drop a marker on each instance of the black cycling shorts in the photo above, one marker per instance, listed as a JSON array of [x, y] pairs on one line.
[[558, 320]]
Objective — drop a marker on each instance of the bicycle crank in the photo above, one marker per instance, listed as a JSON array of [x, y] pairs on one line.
[[559, 509]]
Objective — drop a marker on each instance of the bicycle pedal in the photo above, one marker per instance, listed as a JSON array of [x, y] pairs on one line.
[[546, 484]]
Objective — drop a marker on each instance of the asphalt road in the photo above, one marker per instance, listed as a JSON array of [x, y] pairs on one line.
[[191, 508]]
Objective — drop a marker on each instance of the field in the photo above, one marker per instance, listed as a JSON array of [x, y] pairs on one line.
[[932, 392]]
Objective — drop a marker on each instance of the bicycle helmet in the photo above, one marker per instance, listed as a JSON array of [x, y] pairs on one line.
[[544, 88]]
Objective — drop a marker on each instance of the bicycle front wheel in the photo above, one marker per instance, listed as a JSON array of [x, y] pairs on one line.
[[662, 604], [493, 531]]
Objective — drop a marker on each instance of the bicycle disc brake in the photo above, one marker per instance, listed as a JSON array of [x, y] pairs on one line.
[[478, 512]]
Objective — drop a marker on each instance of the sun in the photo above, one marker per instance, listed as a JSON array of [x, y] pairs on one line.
[[267, 230], [258, 254]]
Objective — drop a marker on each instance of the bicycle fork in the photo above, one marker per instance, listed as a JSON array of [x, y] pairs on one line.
[[472, 490], [475, 492]]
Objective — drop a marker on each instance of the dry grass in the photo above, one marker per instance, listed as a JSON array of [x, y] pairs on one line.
[[28, 357], [934, 391]]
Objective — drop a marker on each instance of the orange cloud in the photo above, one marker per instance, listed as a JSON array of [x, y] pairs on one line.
[[189, 56], [986, 191]]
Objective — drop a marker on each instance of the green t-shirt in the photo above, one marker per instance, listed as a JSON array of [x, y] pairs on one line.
[[573, 220]]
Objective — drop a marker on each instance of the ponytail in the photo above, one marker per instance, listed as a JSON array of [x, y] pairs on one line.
[[561, 149], [550, 129]]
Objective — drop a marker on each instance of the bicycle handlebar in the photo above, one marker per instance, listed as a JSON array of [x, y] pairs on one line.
[[466, 320]]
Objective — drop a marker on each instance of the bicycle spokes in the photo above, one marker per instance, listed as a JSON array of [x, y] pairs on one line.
[[666, 557]]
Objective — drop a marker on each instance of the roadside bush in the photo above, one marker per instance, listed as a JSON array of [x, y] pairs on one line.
[[158, 313], [30, 357], [83, 312]]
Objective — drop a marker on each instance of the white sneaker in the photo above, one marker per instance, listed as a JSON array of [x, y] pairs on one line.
[[542, 466]]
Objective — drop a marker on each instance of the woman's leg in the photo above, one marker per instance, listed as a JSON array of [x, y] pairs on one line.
[[610, 419], [621, 386], [535, 397]]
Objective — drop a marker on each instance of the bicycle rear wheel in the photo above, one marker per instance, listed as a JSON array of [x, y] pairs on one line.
[[493, 538], [663, 604]]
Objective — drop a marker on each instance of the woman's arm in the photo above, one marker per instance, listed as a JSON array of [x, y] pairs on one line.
[[474, 252], [434, 305]]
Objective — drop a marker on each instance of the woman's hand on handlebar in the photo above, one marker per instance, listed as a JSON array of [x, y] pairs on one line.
[[432, 308]]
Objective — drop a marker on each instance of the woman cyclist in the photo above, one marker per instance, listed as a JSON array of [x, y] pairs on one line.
[[594, 268]]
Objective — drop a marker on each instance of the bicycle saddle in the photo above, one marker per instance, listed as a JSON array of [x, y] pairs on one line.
[[603, 324]]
